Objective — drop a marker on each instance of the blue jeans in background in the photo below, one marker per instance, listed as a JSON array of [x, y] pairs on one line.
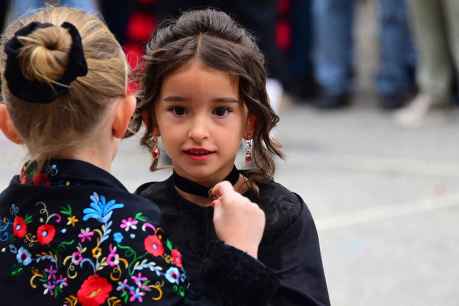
[[397, 59], [333, 26]]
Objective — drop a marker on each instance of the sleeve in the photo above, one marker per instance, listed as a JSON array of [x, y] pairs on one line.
[[289, 271], [239, 278], [294, 256]]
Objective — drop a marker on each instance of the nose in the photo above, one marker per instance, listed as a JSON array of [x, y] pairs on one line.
[[198, 131]]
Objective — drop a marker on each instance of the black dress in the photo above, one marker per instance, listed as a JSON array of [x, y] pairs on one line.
[[73, 235], [289, 268]]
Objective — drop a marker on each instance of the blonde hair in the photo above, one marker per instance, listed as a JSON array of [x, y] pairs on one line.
[[50, 128]]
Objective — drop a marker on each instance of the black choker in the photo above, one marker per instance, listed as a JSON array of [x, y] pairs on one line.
[[200, 190]]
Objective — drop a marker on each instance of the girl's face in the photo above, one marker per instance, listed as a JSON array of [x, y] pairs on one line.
[[201, 121]]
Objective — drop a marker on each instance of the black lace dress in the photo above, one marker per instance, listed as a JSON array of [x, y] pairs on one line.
[[289, 268]]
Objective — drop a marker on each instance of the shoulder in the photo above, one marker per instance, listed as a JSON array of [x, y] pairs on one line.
[[284, 209], [160, 193]]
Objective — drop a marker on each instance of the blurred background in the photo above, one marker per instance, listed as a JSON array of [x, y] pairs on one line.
[[367, 95]]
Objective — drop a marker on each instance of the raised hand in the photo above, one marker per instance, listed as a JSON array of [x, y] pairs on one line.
[[238, 221]]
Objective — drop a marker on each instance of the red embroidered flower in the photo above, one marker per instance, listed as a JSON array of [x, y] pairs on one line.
[[154, 246], [176, 258], [46, 233], [41, 179], [94, 291], [19, 227]]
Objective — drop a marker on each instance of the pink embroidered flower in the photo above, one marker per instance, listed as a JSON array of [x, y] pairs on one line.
[[139, 279], [61, 282], [177, 258], [153, 245], [51, 272], [77, 258], [137, 295], [113, 259], [86, 234], [128, 224]]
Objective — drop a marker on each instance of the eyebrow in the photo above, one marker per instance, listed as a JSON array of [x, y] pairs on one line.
[[216, 100]]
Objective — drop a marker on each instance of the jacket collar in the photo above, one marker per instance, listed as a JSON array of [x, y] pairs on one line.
[[66, 172]]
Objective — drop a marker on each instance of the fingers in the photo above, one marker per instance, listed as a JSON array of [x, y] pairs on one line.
[[220, 189]]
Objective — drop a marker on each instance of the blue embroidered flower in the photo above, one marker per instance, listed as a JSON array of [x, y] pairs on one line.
[[118, 237], [136, 295], [100, 209], [23, 256], [173, 275], [123, 286]]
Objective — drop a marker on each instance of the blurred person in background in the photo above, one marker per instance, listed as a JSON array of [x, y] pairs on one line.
[[21, 7], [3, 10], [295, 37], [333, 23], [436, 32], [115, 20]]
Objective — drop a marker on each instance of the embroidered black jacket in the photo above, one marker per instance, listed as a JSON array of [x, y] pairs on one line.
[[73, 235], [289, 268]]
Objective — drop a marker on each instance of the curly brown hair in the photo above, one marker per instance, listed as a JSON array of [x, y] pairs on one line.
[[220, 43]]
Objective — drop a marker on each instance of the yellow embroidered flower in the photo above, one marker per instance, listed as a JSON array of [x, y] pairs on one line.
[[96, 252], [72, 220]]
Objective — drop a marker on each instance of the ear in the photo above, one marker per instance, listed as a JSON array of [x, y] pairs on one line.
[[147, 121], [250, 127], [123, 113], [7, 126]]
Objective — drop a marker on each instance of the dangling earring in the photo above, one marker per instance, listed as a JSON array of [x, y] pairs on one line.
[[153, 145], [248, 153]]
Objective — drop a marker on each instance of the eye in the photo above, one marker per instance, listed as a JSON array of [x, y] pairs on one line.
[[177, 110], [222, 111]]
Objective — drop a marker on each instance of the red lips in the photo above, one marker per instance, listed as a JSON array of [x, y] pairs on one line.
[[198, 154], [198, 151]]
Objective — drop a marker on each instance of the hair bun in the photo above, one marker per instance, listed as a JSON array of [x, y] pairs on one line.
[[44, 54]]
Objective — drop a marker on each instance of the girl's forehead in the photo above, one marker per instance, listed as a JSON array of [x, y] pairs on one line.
[[196, 76]]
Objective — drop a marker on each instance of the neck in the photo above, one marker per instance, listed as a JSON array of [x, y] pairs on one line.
[[240, 186], [198, 189], [100, 158]]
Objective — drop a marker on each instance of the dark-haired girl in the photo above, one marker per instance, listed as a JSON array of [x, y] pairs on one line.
[[246, 239]]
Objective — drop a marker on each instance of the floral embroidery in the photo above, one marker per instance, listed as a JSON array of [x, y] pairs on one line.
[[24, 257], [128, 224], [154, 246], [46, 234], [19, 227], [100, 244], [176, 258], [94, 291]]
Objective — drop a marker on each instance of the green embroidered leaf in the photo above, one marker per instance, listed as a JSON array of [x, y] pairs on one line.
[[63, 246], [67, 210], [125, 297], [128, 251], [58, 291], [169, 244], [28, 219], [139, 216], [16, 271]]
